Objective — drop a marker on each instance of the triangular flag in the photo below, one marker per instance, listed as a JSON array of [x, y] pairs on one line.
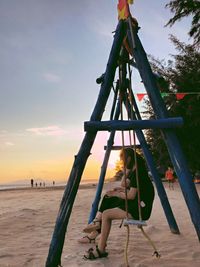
[[164, 94], [180, 96], [140, 96]]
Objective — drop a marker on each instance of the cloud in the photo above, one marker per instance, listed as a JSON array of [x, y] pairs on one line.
[[9, 144], [52, 130], [102, 28], [3, 133], [51, 77], [101, 20]]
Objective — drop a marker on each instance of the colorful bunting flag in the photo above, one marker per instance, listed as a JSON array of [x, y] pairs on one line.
[[180, 96], [140, 96], [123, 9], [164, 94]]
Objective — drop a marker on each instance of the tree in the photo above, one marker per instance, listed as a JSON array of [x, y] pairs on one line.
[[180, 75], [184, 8]]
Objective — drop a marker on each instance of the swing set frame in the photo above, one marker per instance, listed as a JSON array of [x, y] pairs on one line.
[[126, 29]]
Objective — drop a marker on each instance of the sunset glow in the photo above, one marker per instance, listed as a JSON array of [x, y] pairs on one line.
[[49, 66]]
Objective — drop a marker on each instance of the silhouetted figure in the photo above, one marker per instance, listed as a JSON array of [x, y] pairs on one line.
[[32, 182], [169, 175], [36, 184], [40, 184], [53, 182], [113, 205]]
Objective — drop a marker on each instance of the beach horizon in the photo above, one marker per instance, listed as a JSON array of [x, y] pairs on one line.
[[42, 183]]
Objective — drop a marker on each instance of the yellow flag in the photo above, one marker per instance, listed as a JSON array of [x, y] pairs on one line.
[[123, 9]]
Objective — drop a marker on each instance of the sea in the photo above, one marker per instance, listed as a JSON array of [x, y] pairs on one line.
[[27, 184]]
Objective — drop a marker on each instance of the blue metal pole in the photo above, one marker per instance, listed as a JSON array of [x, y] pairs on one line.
[[179, 162], [110, 142], [122, 125], [57, 242]]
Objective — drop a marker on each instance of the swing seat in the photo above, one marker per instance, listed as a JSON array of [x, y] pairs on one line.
[[134, 222]]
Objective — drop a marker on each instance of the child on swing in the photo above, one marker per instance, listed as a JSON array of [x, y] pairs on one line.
[[113, 204]]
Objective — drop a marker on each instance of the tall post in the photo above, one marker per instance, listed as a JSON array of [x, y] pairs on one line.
[[103, 170], [57, 242], [179, 162]]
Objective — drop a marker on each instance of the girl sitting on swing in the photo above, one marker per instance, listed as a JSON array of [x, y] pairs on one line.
[[113, 204]]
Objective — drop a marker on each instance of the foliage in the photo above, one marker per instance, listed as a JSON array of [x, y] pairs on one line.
[[180, 75], [184, 8]]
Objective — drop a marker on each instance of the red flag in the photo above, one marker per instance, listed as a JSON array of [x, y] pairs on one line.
[[180, 96], [123, 9], [140, 96]]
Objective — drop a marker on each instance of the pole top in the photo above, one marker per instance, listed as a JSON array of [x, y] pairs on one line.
[[123, 9]]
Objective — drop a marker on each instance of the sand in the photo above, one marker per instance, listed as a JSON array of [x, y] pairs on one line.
[[27, 219]]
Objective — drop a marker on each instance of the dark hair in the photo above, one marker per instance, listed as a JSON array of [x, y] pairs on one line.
[[129, 152]]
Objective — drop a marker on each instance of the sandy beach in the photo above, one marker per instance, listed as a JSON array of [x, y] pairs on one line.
[[27, 219]]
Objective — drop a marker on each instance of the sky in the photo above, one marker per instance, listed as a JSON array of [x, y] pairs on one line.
[[51, 53]]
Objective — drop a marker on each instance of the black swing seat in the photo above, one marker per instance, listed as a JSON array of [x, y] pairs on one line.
[[134, 222]]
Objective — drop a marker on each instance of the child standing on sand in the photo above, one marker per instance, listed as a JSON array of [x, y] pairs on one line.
[[169, 175]]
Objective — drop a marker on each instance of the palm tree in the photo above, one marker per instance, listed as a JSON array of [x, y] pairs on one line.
[[184, 8]]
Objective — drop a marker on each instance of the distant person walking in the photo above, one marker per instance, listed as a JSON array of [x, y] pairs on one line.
[[169, 175], [53, 182], [32, 182]]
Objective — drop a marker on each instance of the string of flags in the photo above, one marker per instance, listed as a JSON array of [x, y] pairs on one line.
[[179, 96]]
